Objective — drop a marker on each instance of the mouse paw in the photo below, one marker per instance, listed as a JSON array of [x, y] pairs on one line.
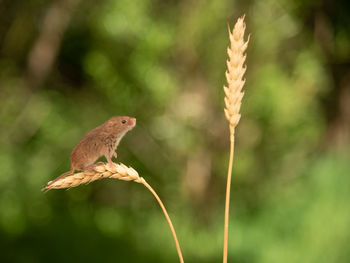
[[92, 166]]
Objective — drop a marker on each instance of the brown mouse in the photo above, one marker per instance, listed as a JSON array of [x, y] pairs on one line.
[[103, 140]]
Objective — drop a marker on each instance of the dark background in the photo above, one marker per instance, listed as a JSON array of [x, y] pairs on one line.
[[67, 66]]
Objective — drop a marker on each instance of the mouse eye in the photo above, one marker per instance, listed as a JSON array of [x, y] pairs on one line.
[[123, 121]]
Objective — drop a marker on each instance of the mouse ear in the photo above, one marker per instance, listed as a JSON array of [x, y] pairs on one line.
[[108, 129]]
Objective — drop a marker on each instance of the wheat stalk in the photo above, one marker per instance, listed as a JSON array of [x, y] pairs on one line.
[[233, 100], [116, 171]]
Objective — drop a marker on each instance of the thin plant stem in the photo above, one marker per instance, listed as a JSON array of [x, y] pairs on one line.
[[115, 171], [227, 202], [167, 218]]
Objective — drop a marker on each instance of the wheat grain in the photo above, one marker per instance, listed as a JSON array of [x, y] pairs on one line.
[[116, 171], [234, 74]]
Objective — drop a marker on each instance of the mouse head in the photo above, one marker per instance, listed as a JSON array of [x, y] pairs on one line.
[[121, 124]]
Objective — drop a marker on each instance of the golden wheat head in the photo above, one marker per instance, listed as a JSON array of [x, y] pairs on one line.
[[116, 171], [234, 74]]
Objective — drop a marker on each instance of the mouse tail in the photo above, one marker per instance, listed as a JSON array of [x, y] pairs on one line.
[[62, 176]]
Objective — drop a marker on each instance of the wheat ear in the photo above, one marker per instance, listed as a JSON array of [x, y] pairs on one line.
[[116, 171], [233, 100]]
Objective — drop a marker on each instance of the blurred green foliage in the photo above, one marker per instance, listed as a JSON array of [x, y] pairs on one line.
[[164, 62]]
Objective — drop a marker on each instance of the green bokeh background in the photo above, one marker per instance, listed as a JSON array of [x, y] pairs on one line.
[[164, 62]]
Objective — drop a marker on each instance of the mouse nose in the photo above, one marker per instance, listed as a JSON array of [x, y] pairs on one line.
[[132, 121]]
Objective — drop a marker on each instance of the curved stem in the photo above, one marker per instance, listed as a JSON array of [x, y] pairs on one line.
[[167, 218], [227, 202]]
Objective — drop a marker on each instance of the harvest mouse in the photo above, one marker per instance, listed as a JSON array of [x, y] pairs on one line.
[[103, 140]]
